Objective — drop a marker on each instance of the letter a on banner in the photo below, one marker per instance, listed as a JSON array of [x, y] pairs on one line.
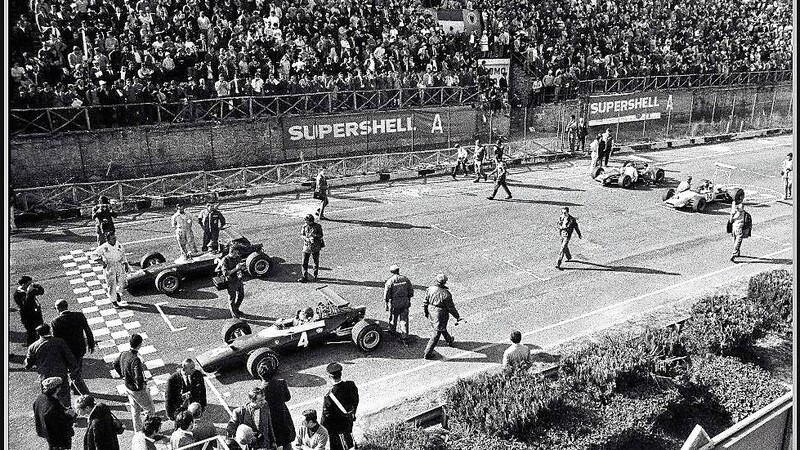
[[437, 124]]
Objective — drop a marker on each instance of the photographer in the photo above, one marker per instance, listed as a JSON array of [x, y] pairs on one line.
[[231, 267], [103, 216]]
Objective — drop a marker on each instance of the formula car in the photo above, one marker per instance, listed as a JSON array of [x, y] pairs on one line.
[[333, 320], [167, 276], [630, 173], [707, 192]]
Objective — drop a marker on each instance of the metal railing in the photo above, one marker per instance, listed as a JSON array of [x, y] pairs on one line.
[[656, 83], [88, 118]]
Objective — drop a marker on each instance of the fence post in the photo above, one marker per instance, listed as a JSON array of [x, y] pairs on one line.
[[525, 123], [250, 106], [714, 108], [733, 109], [49, 119], [669, 118], [355, 101], [691, 109], [753, 111], [644, 126], [88, 122], [772, 107]]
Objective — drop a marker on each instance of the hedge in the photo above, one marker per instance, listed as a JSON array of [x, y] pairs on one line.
[[772, 292], [401, 436], [723, 325]]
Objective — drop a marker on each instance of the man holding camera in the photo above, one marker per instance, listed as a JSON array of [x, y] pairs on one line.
[[103, 216], [231, 267]]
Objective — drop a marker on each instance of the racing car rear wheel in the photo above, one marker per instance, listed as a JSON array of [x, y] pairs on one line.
[[263, 363], [151, 259], [367, 336], [168, 282], [235, 328], [737, 195], [659, 175], [668, 195], [699, 205], [596, 172], [258, 265], [624, 181]]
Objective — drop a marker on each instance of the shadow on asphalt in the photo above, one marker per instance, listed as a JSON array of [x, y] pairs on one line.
[[58, 236], [607, 268], [757, 260], [512, 183], [537, 202], [378, 224]]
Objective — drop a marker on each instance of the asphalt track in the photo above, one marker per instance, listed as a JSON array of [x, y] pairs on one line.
[[636, 256]]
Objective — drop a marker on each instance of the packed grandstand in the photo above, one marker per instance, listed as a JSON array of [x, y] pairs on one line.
[[103, 52]]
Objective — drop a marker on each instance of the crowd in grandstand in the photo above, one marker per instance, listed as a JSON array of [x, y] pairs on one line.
[[101, 52]]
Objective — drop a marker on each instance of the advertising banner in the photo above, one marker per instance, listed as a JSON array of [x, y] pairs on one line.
[[454, 21], [621, 108], [498, 67]]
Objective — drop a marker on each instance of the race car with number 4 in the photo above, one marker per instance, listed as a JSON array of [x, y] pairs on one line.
[[334, 320], [707, 192]]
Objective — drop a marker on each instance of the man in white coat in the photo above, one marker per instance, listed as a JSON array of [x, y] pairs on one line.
[[182, 223], [115, 267]]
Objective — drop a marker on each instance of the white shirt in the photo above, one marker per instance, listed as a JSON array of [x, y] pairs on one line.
[[182, 222], [112, 254], [787, 168], [516, 353]]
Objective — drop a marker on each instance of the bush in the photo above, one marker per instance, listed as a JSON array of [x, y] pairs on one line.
[[621, 361], [772, 292], [401, 436], [503, 404], [462, 440], [723, 325], [738, 388]]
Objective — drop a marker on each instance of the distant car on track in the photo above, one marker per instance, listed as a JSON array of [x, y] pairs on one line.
[[630, 173], [334, 320], [707, 192], [166, 277]]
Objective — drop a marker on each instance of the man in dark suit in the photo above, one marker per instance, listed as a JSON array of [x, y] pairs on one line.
[[339, 409], [53, 420], [184, 387], [251, 424], [52, 358], [276, 392], [73, 328]]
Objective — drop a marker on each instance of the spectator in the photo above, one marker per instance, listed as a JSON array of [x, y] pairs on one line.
[[102, 428], [53, 420], [276, 393], [185, 386], [30, 311], [146, 438], [202, 429], [129, 366], [73, 328], [52, 358], [517, 352], [260, 434], [182, 436], [311, 435]]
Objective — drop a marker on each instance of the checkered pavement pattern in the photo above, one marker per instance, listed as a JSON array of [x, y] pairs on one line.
[[111, 327]]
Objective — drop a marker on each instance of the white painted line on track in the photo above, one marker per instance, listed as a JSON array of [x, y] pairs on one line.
[[771, 240], [545, 328], [214, 389], [717, 155], [160, 238], [447, 232], [166, 319], [524, 270]]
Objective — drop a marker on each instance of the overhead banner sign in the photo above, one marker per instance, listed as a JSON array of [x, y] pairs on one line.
[[498, 67], [355, 130], [455, 21], [620, 108]]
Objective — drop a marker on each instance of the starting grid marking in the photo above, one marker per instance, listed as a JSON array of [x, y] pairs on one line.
[[110, 326]]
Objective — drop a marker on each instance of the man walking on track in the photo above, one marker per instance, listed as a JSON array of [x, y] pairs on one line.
[[339, 409], [182, 223], [741, 227], [566, 226], [606, 141], [500, 172], [313, 243], [103, 216], [74, 329], [211, 220], [479, 155], [231, 267], [321, 192], [787, 173], [397, 294], [115, 267], [438, 307], [461, 162]]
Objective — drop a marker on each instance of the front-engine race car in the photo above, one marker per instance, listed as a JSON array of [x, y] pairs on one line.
[[167, 276], [707, 192], [333, 320], [630, 173]]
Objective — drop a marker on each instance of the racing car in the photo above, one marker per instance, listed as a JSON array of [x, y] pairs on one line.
[[167, 276], [333, 320], [707, 192], [630, 173]]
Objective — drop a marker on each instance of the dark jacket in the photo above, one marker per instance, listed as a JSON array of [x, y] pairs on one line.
[[104, 217], [277, 394], [30, 311], [567, 225], [333, 419], [244, 415], [129, 367], [176, 387], [52, 421], [211, 221], [438, 306], [100, 433], [73, 328], [398, 291], [51, 357]]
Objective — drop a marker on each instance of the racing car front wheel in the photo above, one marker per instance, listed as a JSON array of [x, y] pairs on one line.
[[263, 363], [152, 258], [235, 328], [258, 265], [659, 175], [367, 336], [168, 282], [668, 195], [699, 205], [625, 181]]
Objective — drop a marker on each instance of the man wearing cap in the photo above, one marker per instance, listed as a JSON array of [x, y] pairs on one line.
[[255, 416], [397, 294], [339, 409], [74, 329], [185, 386], [115, 267], [182, 223], [741, 227], [53, 420], [438, 307], [211, 220], [52, 358], [313, 243]]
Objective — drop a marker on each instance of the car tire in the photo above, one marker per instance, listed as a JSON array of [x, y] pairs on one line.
[[699, 205], [668, 195], [168, 282], [234, 329], [152, 258], [597, 171], [367, 336], [265, 357], [737, 195], [624, 181], [258, 265], [659, 175]]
